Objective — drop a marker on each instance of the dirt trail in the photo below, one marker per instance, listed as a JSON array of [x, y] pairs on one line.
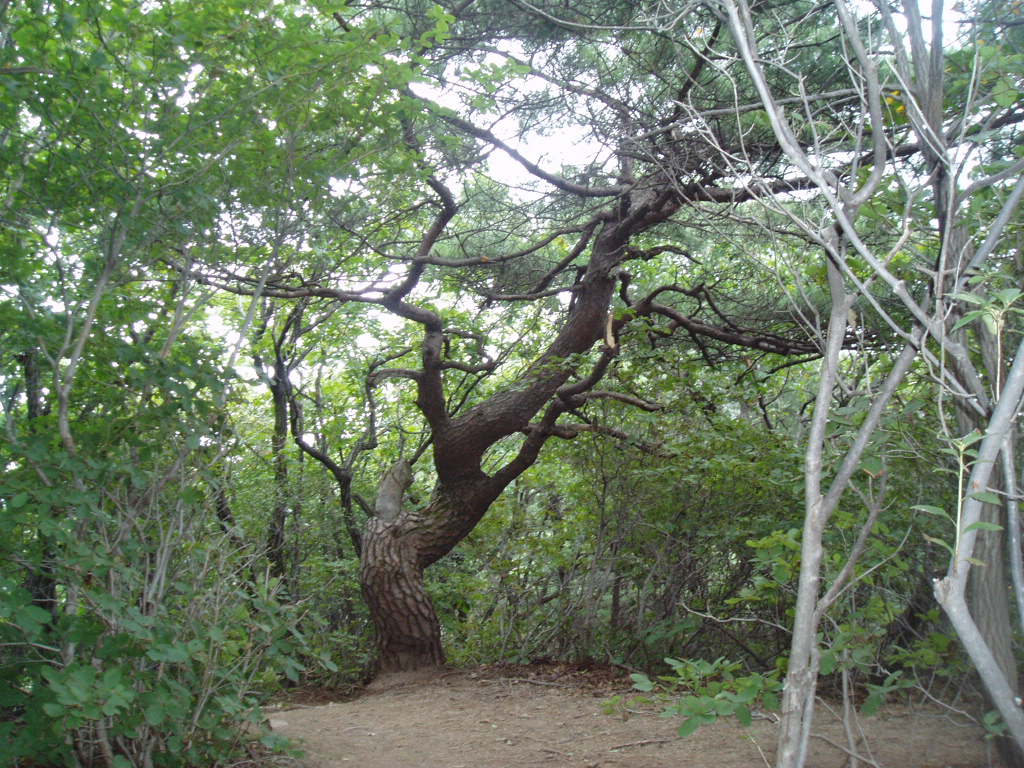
[[509, 718]]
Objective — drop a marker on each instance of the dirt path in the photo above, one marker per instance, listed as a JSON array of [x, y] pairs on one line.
[[493, 719]]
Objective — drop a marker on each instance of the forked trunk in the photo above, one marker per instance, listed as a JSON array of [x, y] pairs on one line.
[[408, 631], [400, 542]]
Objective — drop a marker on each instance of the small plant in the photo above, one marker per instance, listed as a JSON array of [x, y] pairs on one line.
[[994, 725], [879, 693], [701, 691]]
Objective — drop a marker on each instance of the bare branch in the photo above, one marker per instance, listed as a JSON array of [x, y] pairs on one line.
[[621, 397], [556, 181]]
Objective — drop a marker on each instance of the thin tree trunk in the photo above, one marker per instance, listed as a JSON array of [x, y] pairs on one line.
[[39, 581], [950, 591], [802, 672], [276, 531], [988, 585], [989, 601]]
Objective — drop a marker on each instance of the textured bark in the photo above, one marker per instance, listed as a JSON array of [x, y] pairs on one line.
[[408, 632], [988, 594], [35, 402], [988, 585]]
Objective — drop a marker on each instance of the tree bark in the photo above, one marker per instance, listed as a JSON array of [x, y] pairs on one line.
[[39, 580], [398, 545], [408, 630], [950, 591]]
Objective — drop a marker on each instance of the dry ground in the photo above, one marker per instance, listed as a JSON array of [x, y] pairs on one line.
[[552, 716]]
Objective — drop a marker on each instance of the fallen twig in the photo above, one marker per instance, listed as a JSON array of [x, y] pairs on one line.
[[527, 680], [643, 743], [841, 748]]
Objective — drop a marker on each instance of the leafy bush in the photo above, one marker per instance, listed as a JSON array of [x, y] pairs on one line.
[[701, 691], [136, 628], [156, 648]]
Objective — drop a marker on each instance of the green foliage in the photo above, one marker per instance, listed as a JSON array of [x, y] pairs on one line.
[[153, 152], [993, 724], [141, 640], [172, 687], [607, 561], [139, 140], [879, 693], [702, 691], [133, 627]]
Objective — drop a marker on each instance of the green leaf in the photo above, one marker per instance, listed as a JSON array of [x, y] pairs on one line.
[[1005, 93], [743, 715], [872, 704], [828, 662], [970, 298], [642, 682], [932, 510], [968, 440], [982, 525], [940, 542], [31, 619], [1008, 296], [987, 497], [970, 317], [872, 465], [167, 652], [748, 692], [155, 714], [993, 723], [690, 725], [724, 707]]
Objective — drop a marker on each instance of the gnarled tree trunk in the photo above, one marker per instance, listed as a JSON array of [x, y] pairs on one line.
[[398, 545], [408, 631]]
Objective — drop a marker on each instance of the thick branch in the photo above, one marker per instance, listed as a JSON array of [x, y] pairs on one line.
[[764, 342]]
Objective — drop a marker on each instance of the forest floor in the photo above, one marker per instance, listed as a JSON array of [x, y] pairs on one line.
[[555, 715]]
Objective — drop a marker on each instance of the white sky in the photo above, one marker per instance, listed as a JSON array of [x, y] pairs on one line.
[[570, 145]]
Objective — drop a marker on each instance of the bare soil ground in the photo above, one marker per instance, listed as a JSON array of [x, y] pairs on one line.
[[554, 716]]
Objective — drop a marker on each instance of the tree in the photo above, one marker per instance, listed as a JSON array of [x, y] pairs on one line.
[[666, 150], [938, 306], [127, 134], [647, 173], [730, 199]]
